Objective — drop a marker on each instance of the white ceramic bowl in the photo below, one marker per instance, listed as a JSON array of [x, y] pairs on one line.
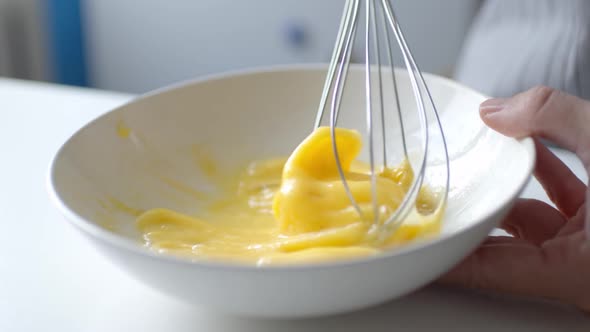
[[257, 114]]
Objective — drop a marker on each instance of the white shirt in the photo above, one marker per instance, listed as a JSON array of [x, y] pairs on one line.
[[517, 44]]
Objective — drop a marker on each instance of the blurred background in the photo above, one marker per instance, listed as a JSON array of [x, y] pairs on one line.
[[135, 46]]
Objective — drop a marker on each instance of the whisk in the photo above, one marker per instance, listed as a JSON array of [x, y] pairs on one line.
[[431, 162]]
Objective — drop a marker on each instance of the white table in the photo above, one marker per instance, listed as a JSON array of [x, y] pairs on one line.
[[51, 279]]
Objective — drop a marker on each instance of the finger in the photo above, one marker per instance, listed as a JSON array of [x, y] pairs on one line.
[[575, 224], [533, 221], [569, 257], [558, 270], [561, 185], [546, 113], [514, 266]]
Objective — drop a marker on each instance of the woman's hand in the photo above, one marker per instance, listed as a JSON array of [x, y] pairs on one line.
[[549, 253]]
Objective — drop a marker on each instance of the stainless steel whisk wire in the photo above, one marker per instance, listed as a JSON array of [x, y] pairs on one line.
[[335, 84]]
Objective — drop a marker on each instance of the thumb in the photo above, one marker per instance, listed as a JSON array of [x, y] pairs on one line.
[[546, 113]]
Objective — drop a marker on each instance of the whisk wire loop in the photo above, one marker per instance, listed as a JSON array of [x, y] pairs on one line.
[[375, 93]]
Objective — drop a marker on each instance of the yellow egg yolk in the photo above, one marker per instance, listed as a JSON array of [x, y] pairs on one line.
[[296, 210], [313, 197]]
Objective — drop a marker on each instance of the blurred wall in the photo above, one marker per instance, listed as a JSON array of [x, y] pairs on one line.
[[23, 48], [137, 46]]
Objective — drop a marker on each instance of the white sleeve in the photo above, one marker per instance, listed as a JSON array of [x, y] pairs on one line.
[[515, 45]]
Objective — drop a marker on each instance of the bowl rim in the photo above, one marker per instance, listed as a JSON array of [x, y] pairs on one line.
[[131, 246]]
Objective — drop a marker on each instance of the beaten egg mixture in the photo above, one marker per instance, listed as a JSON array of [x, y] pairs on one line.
[[295, 210]]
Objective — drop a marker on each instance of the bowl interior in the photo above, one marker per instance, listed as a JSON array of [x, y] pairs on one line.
[[148, 153]]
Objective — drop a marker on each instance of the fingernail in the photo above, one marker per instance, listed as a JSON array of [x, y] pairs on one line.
[[491, 106]]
